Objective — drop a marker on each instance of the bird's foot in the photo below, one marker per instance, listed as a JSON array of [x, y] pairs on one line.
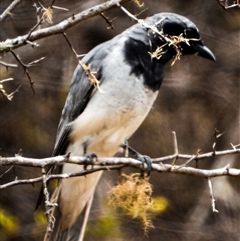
[[142, 158], [90, 160]]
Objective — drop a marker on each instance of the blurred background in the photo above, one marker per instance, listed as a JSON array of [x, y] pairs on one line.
[[196, 97]]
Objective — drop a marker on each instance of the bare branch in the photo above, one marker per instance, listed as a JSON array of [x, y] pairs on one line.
[[60, 8], [216, 137], [175, 146], [234, 146], [211, 195], [7, 12], [59, 176], [59, 28], [9, 169], [7, 65], [58, 160], [109, 22], [119, 163], [116, 163], [225, 5], [191, 159], [34, 62], [86, 68], [3, 91], [25, 70]]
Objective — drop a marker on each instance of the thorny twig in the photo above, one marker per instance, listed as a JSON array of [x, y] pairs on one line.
[[8, 10], [109, 22], [191, 159], [59, 160], [9, 169], [7, 65], [87, 68], [234, 146], [26, 66], [43, 14], [117, 164], [10, 44], [3, 91], [224, 4], [48, 204], [25, 70], [216, 137], [211, 195], [175, 146], [47, 15]]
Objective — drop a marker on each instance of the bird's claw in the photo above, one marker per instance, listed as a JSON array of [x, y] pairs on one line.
[[145, 160], [90, 160], [142, 158]]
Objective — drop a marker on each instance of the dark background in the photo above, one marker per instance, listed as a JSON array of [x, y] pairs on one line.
[[196, 97]]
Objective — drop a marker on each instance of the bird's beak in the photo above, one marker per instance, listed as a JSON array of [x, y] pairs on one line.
[[204, 51]]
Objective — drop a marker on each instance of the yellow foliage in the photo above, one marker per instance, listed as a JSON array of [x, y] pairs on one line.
[[106, 226], [40, 218], [160, 204], [8, 224]]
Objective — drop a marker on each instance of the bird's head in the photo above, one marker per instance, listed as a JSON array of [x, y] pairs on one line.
[[183, 33]]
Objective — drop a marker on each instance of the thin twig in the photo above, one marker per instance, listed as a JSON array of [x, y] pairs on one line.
[[7, 65], [86, 68], [59, 176], [109, 22], [119, 163], [225, 5], [234, 146], [11, 95], [60, 8], [3, 91], [216, 137], [10, 44], [175, 146], [191, 159], [211, 195], [10, 168], [8, 10], [25, 70]]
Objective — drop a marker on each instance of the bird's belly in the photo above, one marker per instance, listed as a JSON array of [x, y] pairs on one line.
[[112, 116]]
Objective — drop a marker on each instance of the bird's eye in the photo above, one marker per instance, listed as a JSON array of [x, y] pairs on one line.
[[191, 33]]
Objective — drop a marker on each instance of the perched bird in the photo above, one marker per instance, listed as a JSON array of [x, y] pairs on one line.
[[130, 70]]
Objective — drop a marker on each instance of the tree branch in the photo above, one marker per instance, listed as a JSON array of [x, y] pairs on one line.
[[115, 163], [59, 28], [8, 10], [211, 195], [225, 5]]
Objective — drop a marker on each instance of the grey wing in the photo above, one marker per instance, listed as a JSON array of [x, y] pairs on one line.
[[80, 92], [79, 95]]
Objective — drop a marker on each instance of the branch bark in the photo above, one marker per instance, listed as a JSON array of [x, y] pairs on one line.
[[8, 10], [114, 163], [59, 28]]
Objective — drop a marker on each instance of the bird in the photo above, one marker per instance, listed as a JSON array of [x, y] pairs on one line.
[[130, 70]]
